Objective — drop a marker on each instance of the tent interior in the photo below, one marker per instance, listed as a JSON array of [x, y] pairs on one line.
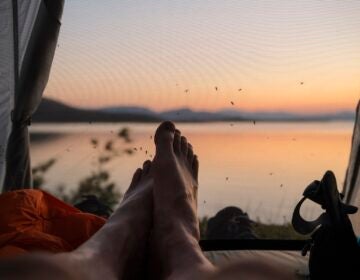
[[265, 90]]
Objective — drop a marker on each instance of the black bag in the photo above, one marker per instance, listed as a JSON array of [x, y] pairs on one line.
[[334, 250]]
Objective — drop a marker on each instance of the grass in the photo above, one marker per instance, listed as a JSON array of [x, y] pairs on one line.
[[273, 231], [264, 231]]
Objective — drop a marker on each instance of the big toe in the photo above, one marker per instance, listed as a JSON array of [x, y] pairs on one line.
[[164, 137]]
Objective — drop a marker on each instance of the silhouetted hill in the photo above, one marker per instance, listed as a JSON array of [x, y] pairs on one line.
[[54, 111], [286, 116], [129, 110], [187, 115]]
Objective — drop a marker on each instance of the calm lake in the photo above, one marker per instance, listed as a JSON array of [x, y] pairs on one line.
[[260, 168]]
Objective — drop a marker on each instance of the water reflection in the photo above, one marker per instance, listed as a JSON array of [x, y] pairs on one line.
[[260, 168]]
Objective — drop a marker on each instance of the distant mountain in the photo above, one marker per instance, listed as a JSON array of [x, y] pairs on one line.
[[187, 115], [54, 111], [286, 116], [258, 115], [129, 110]]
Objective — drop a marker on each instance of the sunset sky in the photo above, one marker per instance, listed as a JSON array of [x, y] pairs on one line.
[[299, 56]]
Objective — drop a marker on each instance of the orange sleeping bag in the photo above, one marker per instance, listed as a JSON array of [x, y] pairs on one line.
[[33, 220]]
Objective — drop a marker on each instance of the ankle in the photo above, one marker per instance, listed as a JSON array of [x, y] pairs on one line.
[[174, 231], [176, 238], [183, 258]]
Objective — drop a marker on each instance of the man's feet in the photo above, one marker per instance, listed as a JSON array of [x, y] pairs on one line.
[[122, 243], [176, 227], [175, 172]]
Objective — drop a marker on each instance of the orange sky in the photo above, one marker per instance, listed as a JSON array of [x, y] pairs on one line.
[[147, 53]]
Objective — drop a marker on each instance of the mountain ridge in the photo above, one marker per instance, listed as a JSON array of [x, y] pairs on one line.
[[55, 111]]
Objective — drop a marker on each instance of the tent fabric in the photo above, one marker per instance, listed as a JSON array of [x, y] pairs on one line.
[[27, 13], [33, 220], [36, 30], [352, 181], [6, 78]]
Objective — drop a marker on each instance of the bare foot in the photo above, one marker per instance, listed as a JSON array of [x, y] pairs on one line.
[[176, 226], [122, 243]]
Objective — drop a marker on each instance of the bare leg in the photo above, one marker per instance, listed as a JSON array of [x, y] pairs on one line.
[[176, 227], [116, 251]]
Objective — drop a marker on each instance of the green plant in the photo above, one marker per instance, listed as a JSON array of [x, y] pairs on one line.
[[203, 226], [273, 231], [98, 182], [39, 171]]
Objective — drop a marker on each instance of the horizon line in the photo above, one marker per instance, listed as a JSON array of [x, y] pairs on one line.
[[278, 111]]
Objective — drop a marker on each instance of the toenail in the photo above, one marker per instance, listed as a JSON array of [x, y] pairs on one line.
[[169, 126]]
